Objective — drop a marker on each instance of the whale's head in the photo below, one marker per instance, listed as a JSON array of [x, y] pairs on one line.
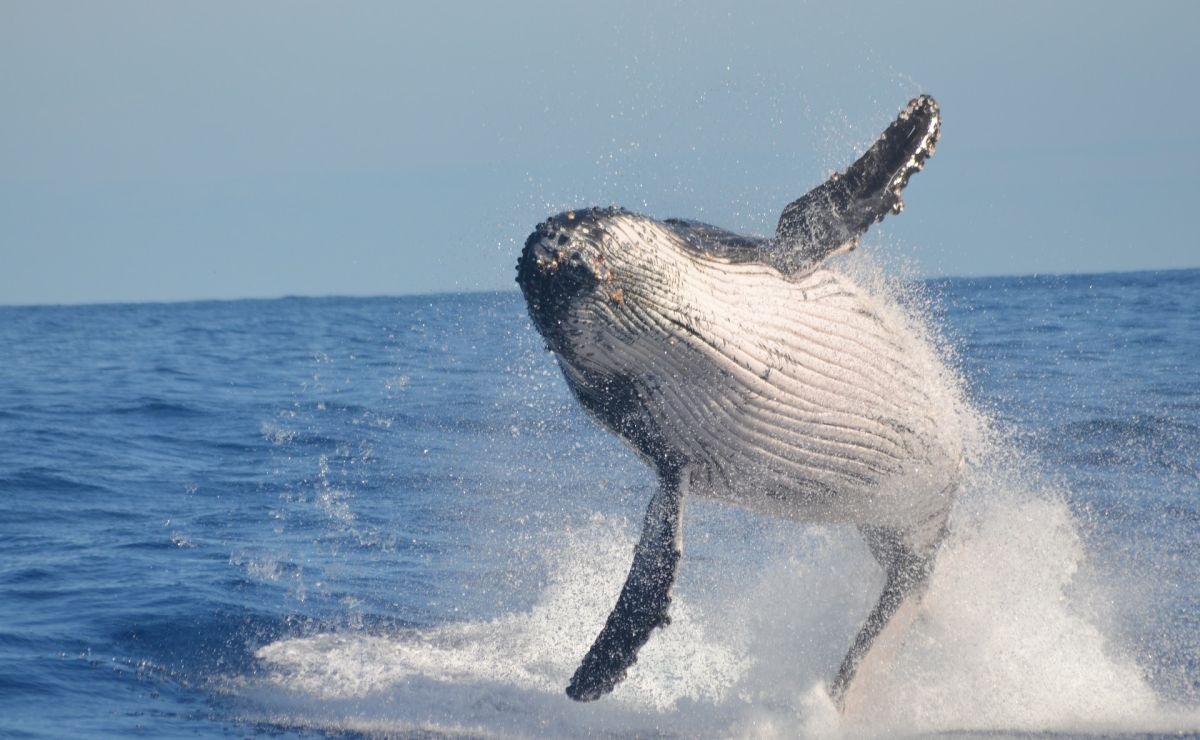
[[586, 275], [560, 271]]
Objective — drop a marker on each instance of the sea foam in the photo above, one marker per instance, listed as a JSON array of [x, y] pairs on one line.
[[1002, 642]]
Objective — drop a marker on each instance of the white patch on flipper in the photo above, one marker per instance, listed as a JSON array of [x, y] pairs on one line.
[[880, 661]]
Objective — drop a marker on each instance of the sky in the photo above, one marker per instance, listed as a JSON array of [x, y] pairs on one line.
[[161, 151]]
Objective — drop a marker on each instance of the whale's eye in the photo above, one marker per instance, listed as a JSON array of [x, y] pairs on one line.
[[562, 239]]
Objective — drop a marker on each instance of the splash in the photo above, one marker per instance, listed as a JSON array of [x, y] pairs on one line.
[[503, 675], [1002, 643]]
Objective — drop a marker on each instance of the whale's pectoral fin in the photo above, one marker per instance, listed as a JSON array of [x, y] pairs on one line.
[[907, 572], [643, 603], [831, 217]]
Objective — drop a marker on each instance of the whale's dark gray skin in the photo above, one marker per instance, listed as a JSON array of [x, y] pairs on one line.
[[747, 369]]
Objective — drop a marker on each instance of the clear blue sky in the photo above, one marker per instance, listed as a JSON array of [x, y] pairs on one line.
[[179, 150]]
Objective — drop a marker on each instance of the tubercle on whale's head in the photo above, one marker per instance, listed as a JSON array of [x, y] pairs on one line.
[[563, 272], [598, 281]]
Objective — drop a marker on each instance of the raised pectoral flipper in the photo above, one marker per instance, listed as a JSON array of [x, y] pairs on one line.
[[830, 217], [643, 603]]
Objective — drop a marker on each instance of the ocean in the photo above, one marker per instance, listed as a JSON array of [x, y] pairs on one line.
[[388, 516]]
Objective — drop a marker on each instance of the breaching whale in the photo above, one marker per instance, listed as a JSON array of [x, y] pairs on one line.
[[747, 369]]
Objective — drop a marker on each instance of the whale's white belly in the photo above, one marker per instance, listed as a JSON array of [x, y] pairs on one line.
[[806, 398]]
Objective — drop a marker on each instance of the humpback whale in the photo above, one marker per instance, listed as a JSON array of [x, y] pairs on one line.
[[750, 370]]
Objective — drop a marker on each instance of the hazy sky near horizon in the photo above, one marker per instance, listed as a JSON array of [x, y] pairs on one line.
[[186, 150]]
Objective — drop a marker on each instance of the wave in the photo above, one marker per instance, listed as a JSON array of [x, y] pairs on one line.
[[158, 408], [42, 481], [1123, 442]]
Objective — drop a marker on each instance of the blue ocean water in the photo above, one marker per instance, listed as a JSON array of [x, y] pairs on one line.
[[388, 516]]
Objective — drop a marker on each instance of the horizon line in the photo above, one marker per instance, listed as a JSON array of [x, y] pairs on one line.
[[486, 291]]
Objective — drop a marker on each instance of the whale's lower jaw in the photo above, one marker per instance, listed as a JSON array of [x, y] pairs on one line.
[[802, 398]]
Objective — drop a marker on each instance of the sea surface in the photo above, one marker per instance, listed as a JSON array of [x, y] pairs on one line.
[[388, 516]]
